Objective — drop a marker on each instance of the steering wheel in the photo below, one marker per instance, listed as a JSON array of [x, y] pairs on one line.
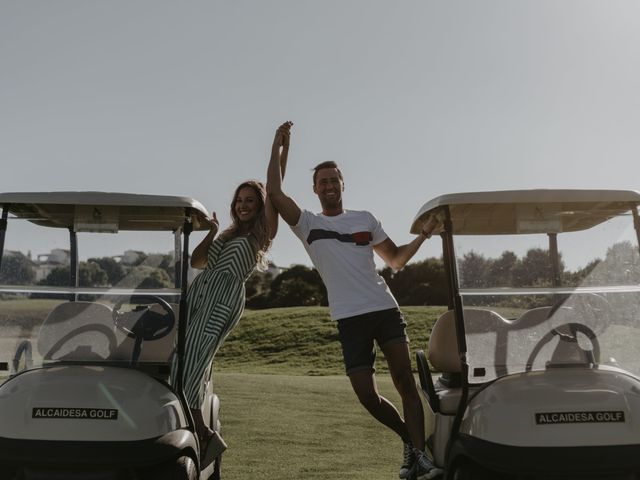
[[142, 323], [568, 334]]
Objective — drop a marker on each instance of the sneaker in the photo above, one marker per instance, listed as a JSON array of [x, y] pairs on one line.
[[409, 461], [425, 467]]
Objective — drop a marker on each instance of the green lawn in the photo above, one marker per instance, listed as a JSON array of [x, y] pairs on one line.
[[288, 411], [303, 428], [24, 311]]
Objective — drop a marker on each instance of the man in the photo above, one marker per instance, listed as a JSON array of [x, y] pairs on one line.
[[341, 244]]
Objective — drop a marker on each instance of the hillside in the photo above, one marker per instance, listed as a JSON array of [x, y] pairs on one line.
[[302, 341]]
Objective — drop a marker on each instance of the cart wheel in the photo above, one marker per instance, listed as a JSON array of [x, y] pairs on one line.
[[216, 468], [182, 468]]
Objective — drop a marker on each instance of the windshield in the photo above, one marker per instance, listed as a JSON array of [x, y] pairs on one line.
[[523, 310], [124, 309]]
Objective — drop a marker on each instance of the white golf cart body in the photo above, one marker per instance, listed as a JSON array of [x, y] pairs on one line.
[[539, 350], [85, 370]]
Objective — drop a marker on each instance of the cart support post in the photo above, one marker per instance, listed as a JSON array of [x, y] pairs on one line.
[[453, 284], [447, 260], [636, 222], [556, 280], [177, 264], [459, 318], [73, 267], [182, 325], [3, 229], [187, 228]]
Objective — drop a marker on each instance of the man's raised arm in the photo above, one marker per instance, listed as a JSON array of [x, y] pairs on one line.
[[286, 206]]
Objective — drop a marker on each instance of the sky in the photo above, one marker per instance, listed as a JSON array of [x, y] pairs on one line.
[[413, 99]]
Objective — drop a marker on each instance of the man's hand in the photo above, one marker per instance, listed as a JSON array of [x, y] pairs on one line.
[[285, 206], [282, 136], [429, 227]]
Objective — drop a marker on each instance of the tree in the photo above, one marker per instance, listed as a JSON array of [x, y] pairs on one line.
[[295, 292], [258, 283], [89, 275], [621, 264], [419, 283], [534, 270], [146, 277], [164, 261], [307, 289], [473, 270], [16, 269], [113, 269], [257, 288], [168, 264], [500, 272]]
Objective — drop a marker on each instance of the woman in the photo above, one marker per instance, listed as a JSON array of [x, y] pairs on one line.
[[216, 297]]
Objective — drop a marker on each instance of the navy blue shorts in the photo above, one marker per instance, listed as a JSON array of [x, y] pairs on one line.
[[357, 335]]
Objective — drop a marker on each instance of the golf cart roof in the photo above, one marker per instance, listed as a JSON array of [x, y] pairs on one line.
[[105, 211], [526, 211]]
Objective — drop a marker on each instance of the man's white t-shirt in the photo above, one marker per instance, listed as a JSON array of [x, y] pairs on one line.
[[341, 249]]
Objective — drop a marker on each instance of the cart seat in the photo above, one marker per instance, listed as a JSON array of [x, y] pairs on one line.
[[77, 331], [444, 357], [443, 343], [85, 332]]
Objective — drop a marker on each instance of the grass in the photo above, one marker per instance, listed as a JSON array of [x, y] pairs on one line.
[[303, 341], [23, 310], [299, 427], [287, 409]]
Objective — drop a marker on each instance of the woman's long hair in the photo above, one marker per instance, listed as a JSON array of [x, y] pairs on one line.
[[258, 229]]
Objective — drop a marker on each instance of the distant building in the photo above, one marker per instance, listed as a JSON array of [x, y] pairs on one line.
[[130, 257], [46, 262]]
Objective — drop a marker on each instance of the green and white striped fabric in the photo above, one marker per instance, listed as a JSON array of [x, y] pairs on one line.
[[215, 302]]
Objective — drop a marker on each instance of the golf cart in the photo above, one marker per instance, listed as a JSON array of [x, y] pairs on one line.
[[85, 363], [537, 354]]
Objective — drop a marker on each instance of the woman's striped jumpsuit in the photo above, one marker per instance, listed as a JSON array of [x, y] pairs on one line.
[[215, 302]]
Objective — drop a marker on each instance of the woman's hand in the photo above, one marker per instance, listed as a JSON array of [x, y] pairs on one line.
[[214, 224], [201, 252], [283, 134]]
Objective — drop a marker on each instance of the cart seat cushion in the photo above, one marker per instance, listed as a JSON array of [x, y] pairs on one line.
[[77, 331], [443, 343], [85, 331]]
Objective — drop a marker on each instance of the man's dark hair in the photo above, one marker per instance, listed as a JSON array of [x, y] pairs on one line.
[[327, 164]]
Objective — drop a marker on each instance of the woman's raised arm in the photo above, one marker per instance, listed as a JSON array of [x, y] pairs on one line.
[[201, 252], [279, 154]]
